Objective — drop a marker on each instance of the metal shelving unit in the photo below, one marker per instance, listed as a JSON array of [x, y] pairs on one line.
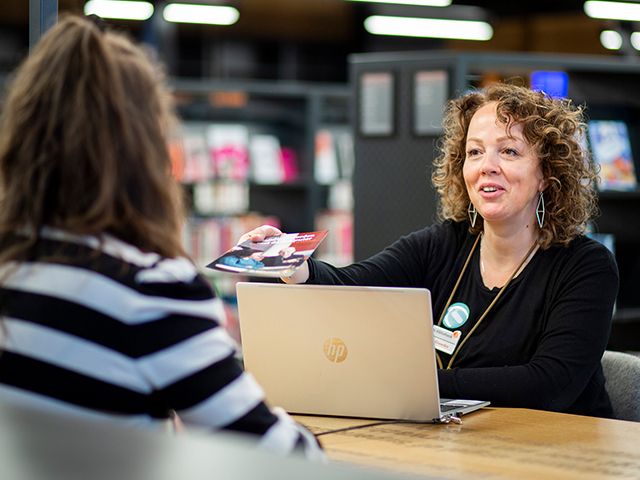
[[296, 111]]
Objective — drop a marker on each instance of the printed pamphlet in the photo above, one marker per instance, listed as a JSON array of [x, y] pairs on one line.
[[277, 256]]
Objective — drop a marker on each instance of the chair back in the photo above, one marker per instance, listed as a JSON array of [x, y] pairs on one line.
[[622, 375]]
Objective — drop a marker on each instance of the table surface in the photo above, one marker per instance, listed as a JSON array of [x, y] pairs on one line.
[[493, 443]]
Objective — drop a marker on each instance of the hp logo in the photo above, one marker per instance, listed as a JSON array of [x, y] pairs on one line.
[[335, 350]]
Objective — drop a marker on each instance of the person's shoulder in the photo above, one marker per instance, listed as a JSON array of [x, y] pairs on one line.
[[586, 252], [583, 245], [446, 227], [447, 232], [151, 267], [435, 241], [155, 275]]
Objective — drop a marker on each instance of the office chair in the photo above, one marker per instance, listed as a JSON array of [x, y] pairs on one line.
[[622, 375]]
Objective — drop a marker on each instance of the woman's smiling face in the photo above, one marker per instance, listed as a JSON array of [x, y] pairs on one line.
[[501, 170]]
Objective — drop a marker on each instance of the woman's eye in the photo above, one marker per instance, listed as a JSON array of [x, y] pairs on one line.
[[473, 152], [510, 151]]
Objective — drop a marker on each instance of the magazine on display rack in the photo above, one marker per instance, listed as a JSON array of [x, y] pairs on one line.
[[611, 147]]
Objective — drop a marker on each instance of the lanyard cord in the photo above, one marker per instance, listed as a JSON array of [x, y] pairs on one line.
[[455, 287], [482, 317]]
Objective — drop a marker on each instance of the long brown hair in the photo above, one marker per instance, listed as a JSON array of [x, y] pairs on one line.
[[553, 127], [83, 143]]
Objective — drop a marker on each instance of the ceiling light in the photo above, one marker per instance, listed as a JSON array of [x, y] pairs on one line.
[[611, 40], [424, 3], [613, 10], [120, 9], [428, 27], [207, 14], [635, 40]]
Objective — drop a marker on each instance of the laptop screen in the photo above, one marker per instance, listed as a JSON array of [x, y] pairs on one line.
[[348, 351]]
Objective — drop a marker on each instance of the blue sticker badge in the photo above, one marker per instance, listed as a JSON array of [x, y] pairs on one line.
[[456, 316]]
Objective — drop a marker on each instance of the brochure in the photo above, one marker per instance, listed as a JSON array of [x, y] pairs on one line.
[[277, 256]]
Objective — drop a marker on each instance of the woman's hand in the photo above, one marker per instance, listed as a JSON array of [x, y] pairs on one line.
[[301, 274], [260, 233]]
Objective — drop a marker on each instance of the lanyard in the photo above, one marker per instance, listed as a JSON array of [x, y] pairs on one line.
[[484, 314]]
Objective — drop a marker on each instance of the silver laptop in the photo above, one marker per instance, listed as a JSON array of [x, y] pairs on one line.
[[344, 351]]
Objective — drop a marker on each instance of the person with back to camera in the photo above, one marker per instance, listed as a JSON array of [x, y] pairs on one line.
[[102, 314], [509, 266]]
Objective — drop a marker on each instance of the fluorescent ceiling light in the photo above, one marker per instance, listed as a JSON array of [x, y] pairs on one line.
[[613, 10], [423, 3], [120, 9], [610, 39], [635, 40], [428, 27], [207, 14]]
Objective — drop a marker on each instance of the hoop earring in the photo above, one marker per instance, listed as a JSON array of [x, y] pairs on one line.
[[473, 214], [540, 211]]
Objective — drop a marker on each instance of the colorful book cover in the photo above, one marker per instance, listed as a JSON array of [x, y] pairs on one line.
[[229, 148], [266, 165], [277, 256], [197, 167], [612, 152]]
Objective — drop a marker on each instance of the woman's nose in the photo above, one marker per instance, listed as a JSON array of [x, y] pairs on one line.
[[490, 163]]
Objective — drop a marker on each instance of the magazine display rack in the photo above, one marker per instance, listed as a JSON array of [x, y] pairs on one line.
[[399, 163]]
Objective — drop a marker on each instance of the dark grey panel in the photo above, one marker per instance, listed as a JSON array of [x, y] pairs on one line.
[[393, 195]]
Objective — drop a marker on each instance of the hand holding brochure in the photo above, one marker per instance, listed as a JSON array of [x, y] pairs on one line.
[[277, 256]]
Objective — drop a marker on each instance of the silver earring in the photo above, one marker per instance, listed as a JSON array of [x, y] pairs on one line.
[[540, 210], [473, 214]]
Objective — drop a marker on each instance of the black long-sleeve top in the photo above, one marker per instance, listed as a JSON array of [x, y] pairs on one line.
[[540, 345]]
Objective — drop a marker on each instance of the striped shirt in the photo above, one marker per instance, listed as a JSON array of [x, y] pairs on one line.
[[102, 329]]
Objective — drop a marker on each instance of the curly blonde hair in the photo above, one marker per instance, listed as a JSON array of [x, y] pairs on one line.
[[553, 128]]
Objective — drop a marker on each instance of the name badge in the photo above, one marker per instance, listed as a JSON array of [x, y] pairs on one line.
[[445, 340]]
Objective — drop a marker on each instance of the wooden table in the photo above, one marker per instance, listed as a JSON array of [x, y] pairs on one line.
[[494, 443]]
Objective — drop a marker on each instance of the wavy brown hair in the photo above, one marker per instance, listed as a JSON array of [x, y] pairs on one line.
[[83, 143], [553, 128]]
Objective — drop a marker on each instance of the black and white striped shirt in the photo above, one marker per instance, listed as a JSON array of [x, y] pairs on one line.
[[102, 329]]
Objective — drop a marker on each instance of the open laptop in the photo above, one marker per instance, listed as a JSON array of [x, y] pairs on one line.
[[344, 351]]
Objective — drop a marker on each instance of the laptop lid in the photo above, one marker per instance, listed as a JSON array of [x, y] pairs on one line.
[[345, 351]]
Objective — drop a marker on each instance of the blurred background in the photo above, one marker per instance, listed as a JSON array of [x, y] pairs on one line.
[[311, 39], [325, 114]]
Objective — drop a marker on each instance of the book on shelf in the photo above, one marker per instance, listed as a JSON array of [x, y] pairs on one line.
[[611, 150], [266, 164], [326, 158], [289, 162], [340, 196], [277, 256], [229, 148], [346, 153], [221, 197], [197, 166], [176, 153], [337, 249], [334, 155]]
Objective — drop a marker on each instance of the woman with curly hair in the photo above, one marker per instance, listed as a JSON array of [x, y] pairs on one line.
[[509, 266]]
